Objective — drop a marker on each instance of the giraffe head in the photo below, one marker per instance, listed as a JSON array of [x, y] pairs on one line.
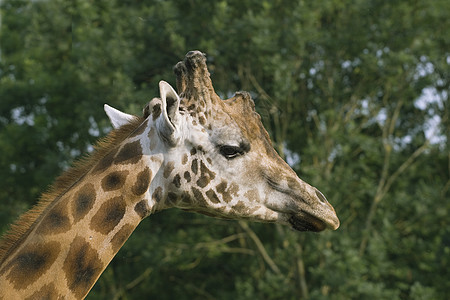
[[218, 158]]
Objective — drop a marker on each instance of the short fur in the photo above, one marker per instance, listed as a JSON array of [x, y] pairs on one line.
[[21, 227]]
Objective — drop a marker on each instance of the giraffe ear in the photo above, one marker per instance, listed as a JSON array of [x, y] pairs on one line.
[[168, 124], [117, 117]]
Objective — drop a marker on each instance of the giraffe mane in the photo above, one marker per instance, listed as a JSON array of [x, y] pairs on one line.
[[23, 225]]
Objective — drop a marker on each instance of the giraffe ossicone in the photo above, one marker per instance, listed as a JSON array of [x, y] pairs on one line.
[[190, 150]]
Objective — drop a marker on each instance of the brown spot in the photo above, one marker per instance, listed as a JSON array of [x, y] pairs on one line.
[[221, 188], [151, 132], [121, 236], [142, 209], [194, 166], [82, 267], [47, 292], [255, 208], [212, 196], [193, 151], [206, 175], [142, 182], [105, 162], [191, 107], [83, 201], [234, 188], [172, 198], [252, 195], [156, 111], [202, 120], [177, 180], [129, 154], [242, 209], [227, 193], [186, 198], [209, 160], [109, 215], [168, 169], [114, 180], [157, 194], [156, 159], [153, 139], [187, 176], [140, 130], [201, 201], [55, 221], [184, 159], [31, 263]]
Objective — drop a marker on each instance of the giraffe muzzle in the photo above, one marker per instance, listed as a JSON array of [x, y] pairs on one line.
[[313, 215], [304, 207]]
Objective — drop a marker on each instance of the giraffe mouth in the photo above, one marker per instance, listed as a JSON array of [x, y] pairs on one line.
[[306, 222], [314, 214]]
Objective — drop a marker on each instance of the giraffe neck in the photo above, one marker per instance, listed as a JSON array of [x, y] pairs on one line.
[[78, 233]]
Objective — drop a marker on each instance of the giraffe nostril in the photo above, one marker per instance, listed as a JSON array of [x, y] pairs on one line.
[[321, 196]]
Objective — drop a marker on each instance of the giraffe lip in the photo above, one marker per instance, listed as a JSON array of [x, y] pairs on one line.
[[306, 222]]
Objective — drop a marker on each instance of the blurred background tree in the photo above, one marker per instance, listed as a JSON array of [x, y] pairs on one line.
[[354, 95]]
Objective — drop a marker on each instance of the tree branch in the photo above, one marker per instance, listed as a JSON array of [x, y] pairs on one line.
[[386, 181], [138, 279], [301, 272], [260, 247]]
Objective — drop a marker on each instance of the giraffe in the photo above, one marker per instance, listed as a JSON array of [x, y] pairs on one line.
[[190, 150]]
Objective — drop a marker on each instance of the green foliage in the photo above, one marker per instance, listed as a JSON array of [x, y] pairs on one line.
[[355, 94]]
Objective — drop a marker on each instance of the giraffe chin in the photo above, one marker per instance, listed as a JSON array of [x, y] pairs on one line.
[[306, 222]]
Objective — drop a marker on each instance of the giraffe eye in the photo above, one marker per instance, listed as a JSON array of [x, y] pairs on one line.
[[230, 152]]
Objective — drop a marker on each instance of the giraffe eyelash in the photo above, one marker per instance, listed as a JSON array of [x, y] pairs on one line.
[[231, 152]]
